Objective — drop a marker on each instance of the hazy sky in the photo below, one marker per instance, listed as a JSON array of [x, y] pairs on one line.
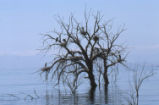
[[22, 22]]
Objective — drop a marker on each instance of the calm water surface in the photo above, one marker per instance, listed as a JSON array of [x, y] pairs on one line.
[[23, 87]]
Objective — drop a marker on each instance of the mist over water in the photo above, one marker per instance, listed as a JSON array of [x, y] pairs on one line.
[[22, 23], [23, 87]]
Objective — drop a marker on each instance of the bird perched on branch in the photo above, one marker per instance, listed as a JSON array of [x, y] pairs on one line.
[[119, 59], [57, 39], [82, 31]]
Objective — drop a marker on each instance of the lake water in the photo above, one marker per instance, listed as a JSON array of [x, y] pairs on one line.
[[23, 87]]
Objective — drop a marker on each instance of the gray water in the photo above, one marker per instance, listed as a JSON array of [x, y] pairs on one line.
[[23, 87]]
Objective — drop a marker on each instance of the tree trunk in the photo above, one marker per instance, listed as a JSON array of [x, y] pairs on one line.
[[91, 75], [106, 94], [92, 80], [92, 94], [106, 78], [105, 75]]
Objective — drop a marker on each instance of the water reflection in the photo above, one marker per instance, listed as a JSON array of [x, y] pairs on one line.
[[23, 94], [98, 96], [94, 96], [47, 98], [106, 94]]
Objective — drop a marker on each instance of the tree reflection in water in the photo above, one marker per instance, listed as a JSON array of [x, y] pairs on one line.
[[105, 96], [92, 95]]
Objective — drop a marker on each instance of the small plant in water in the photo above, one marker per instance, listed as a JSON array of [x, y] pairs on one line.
[[140, 74]]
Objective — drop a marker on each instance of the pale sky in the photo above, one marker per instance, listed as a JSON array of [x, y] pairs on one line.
[[22, 22]]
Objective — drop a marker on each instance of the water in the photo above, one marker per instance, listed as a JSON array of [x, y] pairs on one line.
[[23, 87]]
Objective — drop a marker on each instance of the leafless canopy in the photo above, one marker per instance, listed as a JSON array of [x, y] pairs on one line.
[[83, 44], [140, 74]]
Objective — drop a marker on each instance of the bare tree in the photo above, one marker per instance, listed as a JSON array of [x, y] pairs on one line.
[[140, 74], [83, 44], [72, 81]]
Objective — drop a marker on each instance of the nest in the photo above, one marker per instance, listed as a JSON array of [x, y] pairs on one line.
[[95, 38]]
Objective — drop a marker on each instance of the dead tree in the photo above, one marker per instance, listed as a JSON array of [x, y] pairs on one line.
[[111, 53], [140, 74], [83, 44]]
